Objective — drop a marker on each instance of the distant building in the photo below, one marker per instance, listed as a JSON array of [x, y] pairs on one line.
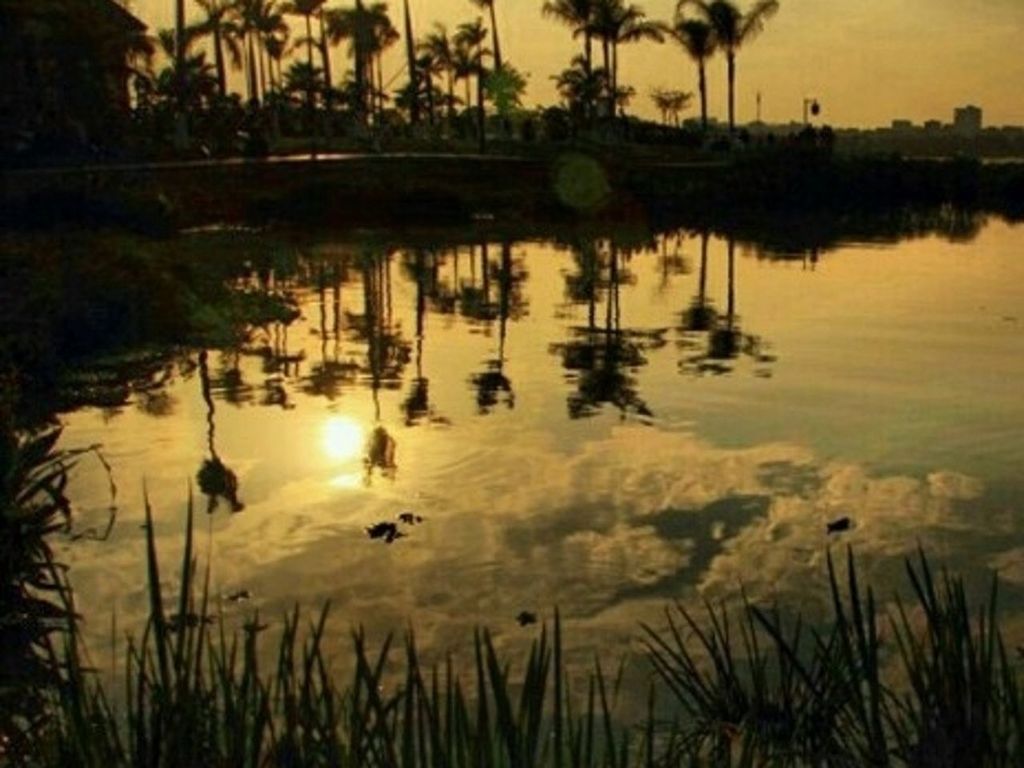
[[967, 120], [933, 125], [66, 66], [902, 125]]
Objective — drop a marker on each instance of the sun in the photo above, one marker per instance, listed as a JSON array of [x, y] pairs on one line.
[[342, 438]]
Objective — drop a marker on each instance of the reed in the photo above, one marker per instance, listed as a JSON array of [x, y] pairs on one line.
[[196, 694], [941, 691], [926, 683]]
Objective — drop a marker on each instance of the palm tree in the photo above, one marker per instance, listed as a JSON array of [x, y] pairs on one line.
[[384, 36], [464, 67], [276, 46], [369, 31], [180, 38], [732, 28], [698, 40], [225, 33], [270, 25], [670, 104], [471, 36], [413, 66], [580, 86], [576, 14], [616, 23], [306, 9], [255, 19], [429, 67], [489, 5], [356, 25], [661, 98], [325, 54], [438, 46], [192, 84]]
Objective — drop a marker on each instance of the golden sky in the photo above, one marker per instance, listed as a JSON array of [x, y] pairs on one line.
[[867, 61]]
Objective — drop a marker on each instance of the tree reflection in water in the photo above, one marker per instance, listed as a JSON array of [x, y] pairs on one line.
[[330, 373], [492, 386], [723, 339], [387, 354], [423, 268], [216, 480], [602, 361]]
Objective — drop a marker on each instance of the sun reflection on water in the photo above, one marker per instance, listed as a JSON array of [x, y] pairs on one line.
[[343, 438]]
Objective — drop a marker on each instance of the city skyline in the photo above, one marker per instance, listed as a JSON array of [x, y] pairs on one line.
[[866, 65]]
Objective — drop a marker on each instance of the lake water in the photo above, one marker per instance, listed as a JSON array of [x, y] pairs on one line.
[[573, 425]]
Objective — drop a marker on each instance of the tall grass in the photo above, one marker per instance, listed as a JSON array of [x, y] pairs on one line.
[[935, 687], [923, 683], [196, 695], [35, 600]]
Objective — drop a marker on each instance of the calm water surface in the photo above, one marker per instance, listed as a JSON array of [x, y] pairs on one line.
[[604, 427]]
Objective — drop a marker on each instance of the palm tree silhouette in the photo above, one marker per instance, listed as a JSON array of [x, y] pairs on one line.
[[276, 46], [258, 22], [576, 14], [306, 9], [413, 67], [489, 5], [325, 53], [384, 36], [581, 87], [196, 82], [470, 37], [438, 46], [616, 23], [670, 103], [698, 40], [270, 26], [366, 29], [224, 33], [179, 37], [732, 28], [245, 14]]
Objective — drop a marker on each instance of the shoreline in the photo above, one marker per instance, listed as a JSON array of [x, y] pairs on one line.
[[354, 190]]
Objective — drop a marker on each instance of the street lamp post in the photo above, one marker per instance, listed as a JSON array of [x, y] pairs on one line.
[[811, 109]]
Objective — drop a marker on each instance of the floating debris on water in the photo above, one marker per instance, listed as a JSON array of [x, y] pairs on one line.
[[526, 617], [239, 596], [410, 518], [384, 530], [389, 531]]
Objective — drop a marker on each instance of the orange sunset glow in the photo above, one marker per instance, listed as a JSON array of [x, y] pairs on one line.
[[868, 62]]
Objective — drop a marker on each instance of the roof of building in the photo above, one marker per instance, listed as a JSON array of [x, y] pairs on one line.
[[109, 11]]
